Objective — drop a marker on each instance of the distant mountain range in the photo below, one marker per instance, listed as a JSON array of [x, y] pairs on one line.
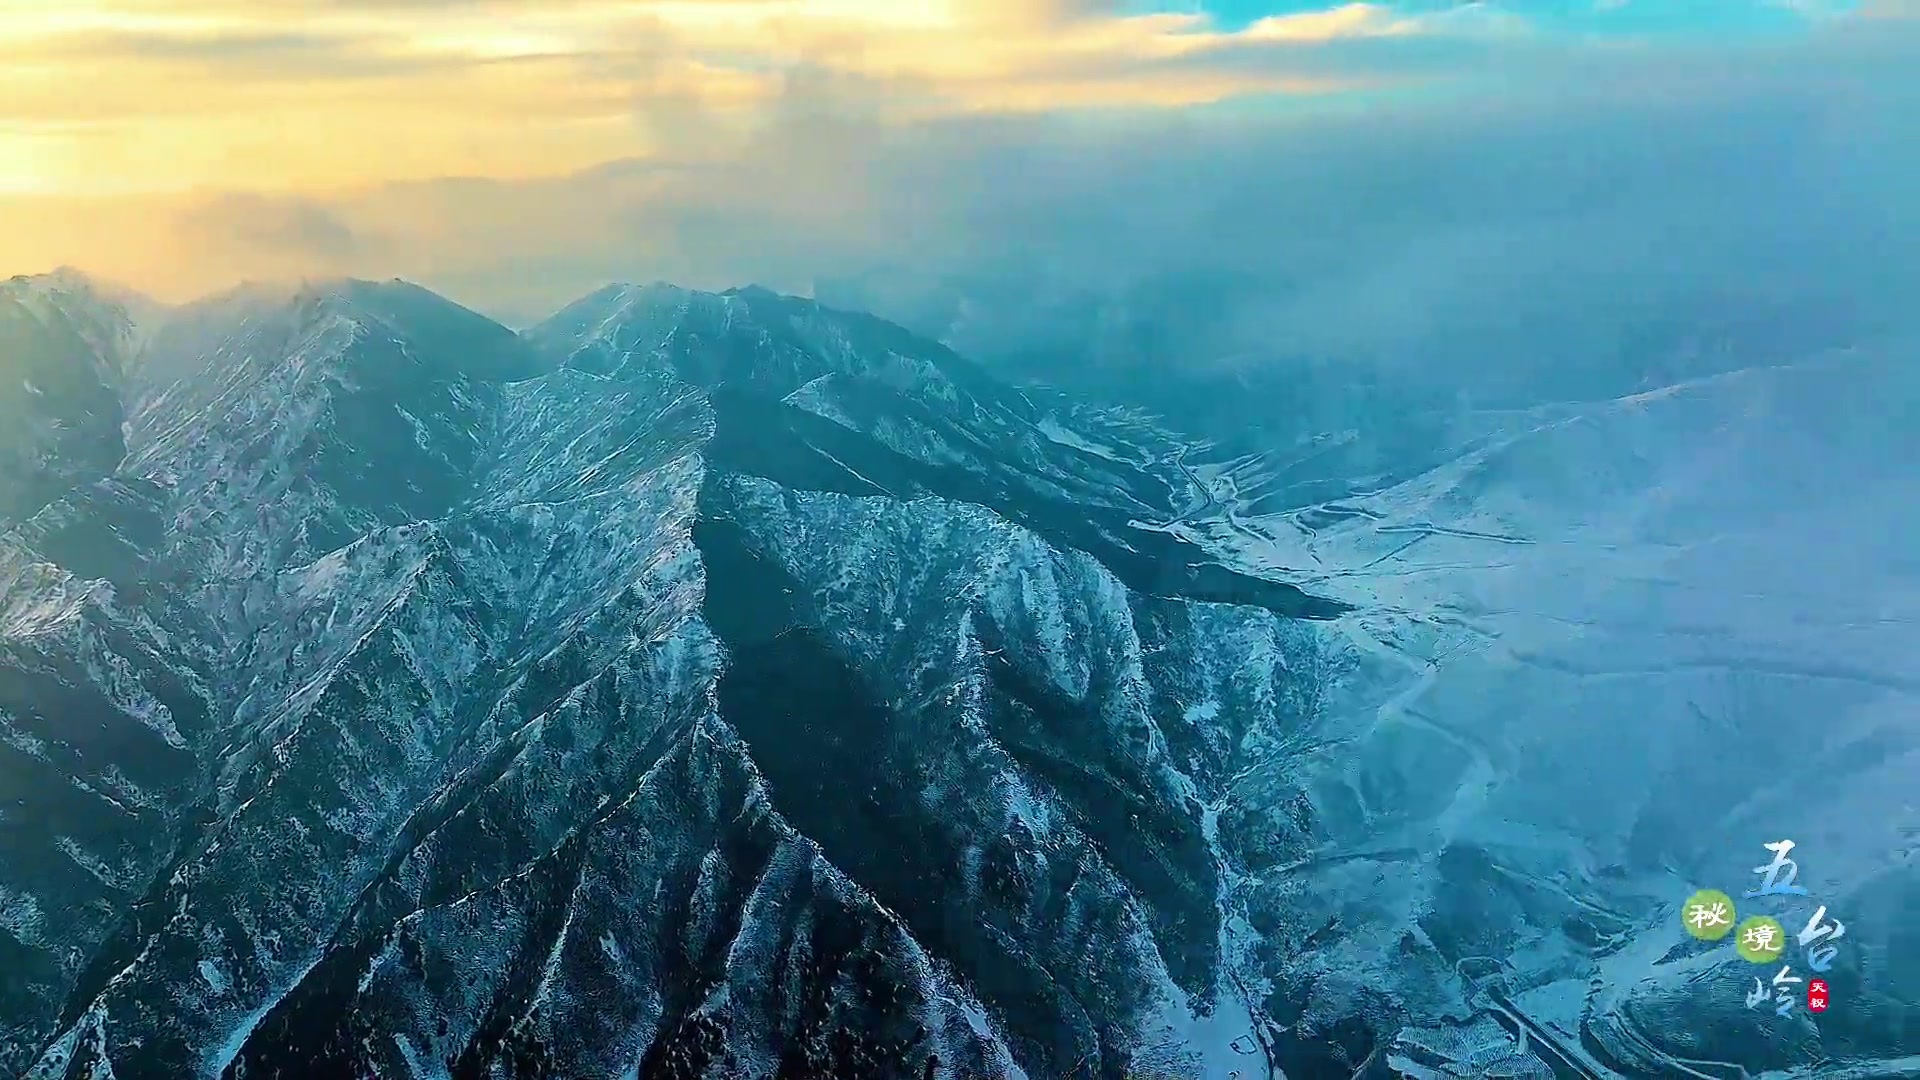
[[725, 685]]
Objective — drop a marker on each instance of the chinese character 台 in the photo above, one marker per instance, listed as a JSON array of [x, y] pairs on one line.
[[1821, 958]]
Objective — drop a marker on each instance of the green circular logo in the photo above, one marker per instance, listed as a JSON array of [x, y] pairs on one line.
[[1708, 914], [1761, 939]]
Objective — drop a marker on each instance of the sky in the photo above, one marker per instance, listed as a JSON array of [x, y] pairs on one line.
[[1357, 177]]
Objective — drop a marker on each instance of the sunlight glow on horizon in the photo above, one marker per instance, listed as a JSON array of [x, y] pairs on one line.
[[119, 116], [132, 96]]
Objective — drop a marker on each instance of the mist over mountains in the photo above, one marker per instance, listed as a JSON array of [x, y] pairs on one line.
[[729, 685]]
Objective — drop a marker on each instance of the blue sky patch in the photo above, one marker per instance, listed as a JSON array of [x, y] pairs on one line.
[[1575, 16]]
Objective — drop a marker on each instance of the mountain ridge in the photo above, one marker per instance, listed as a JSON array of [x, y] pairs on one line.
[[717, 684], [196, 437]]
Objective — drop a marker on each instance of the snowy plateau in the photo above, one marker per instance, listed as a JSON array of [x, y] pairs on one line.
[[725, 686]]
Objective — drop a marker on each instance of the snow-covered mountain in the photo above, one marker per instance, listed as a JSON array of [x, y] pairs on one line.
[[67, 342], [721, 685]]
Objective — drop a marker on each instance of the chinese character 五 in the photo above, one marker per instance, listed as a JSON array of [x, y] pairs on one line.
[[1781, 865]]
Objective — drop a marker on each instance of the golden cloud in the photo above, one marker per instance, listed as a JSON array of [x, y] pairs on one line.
[[115, 96]]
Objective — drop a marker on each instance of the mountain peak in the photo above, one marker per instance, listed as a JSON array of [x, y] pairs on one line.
[[72, 279], [72, 283], [113, 319], [619, 296], [274, 291], [439, 333]]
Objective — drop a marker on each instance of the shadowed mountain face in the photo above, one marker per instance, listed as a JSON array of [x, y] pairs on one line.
[[724, 686], [62, 349]]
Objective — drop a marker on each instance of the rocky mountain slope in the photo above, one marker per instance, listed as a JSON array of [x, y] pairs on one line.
[[67, 341], [719, 685]]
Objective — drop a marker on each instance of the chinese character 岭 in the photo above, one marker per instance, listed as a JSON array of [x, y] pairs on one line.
[[1783, 981]]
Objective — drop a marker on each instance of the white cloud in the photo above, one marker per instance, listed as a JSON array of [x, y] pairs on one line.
[[1483, 195]]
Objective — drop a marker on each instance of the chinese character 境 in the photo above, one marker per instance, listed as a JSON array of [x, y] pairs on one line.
[[1761, 939]]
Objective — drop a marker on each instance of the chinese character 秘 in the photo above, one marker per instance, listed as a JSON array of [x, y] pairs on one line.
[[1781, 865], [1708, 914]]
